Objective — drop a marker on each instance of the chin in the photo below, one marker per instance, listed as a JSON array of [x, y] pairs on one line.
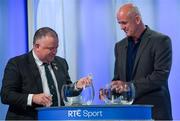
[[51, 59], [128, 35]]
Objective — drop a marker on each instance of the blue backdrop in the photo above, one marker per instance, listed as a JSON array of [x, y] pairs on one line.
[[96, 33], [13, 34]]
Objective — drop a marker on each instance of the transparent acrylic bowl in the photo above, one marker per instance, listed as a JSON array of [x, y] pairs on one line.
[[110, 96], [72, 97]]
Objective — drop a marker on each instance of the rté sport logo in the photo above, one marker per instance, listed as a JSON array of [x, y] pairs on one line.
[[84, 113]]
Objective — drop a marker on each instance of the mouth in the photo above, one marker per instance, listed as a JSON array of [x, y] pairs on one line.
[[126, 31]]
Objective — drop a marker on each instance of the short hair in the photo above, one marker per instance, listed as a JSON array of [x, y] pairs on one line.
[[44, 31], [135, 10], [132, 9]]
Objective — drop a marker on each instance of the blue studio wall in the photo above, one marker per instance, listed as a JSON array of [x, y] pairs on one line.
[[93, 30], [96, 42], [168, 22], [13, 35]]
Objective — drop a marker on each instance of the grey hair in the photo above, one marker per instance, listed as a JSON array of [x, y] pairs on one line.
[[135, 10], [44, 31]]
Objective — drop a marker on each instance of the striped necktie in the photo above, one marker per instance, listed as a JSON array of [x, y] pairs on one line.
[[51, 85]]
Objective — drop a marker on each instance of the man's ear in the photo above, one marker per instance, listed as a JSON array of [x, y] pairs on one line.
[[36, 45], [138, 19]]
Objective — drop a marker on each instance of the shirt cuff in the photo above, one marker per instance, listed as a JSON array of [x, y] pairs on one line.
[[75, 87], [29, 100]]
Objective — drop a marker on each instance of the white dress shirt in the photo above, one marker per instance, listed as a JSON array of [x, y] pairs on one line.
[[44, 80]]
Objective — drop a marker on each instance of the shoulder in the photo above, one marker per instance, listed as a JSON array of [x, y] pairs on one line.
[[121, 43], [158, 36], [158, 40], [19, 59], [17, 63], [60, 61]]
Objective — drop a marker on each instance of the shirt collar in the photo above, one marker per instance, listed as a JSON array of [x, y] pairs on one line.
[[37, 60], [140, 37]]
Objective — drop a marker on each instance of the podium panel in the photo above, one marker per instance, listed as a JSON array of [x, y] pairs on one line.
[[96, 112]]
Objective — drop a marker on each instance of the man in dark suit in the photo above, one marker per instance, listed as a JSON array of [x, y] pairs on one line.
[[143, 57], [25, 84]]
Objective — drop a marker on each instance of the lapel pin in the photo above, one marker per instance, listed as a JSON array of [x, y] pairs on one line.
[[55, 66]]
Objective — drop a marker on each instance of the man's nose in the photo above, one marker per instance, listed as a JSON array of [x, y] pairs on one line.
[[122, 27]]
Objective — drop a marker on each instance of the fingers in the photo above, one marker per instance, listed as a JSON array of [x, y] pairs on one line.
[[42, 99], [83, 82], [101, 94], [119, 86], [87, 80], [47, 100]]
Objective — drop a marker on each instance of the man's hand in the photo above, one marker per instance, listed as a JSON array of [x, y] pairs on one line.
[[102, 94], [83, 82], [42, 99], [119, 86]]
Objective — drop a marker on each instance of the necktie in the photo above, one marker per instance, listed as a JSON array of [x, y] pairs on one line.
[[51, 85]]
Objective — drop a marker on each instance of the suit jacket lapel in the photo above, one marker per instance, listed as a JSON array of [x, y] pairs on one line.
[[35, 72], [58, 73], [142, 46], [124, 59]]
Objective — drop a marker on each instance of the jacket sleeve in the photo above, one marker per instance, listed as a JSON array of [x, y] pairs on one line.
[[162, 60], [11, 86]]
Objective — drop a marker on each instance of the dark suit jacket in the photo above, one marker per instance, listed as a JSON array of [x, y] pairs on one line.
[[22, 77], [150, 72]]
